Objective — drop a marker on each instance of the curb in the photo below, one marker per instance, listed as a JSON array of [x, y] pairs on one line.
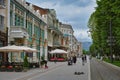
[[114, 66]]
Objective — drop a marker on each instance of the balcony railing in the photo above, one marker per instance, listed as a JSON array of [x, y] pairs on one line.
[[2, 4], [56, 30], [18, 32], [56, 43]]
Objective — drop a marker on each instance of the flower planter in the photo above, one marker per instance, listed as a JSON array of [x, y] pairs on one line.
[[25, 69], [18, 68], [3, 68], [10, 69], [42, 63]]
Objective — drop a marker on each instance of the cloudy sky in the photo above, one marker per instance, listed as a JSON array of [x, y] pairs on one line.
[[73, 12]]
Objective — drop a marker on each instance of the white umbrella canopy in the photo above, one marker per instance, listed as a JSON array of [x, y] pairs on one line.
[[14, 48], [58, 51], [28, 49]]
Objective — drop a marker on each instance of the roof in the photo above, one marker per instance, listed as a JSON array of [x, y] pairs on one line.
[[42, 10], [68, 26]]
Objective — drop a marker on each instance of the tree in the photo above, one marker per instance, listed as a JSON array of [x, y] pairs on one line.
[[26, 63], [99, 25]]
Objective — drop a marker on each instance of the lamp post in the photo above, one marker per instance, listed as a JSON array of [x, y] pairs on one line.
[[111, 41]]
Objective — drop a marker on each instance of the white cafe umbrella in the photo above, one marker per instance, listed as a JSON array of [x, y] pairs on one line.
[[28, 49], [14, 48], [58, 51]]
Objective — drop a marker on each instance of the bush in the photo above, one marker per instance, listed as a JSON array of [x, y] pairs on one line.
[[42, 58], [26, 63]]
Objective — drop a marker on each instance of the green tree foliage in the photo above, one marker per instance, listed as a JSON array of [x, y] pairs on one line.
[[99, 26], [85, 52], [26, 63]]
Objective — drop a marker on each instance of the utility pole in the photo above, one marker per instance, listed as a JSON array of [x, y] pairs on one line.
[[111, 37]]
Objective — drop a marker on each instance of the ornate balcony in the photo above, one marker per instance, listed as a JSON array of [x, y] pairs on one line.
[[18, 32], [2, 4], [56, 43]]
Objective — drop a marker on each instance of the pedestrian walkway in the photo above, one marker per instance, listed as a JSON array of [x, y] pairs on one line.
[[78, 67], [17, 75], [83, 69]]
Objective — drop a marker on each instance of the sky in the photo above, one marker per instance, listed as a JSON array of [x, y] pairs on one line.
[[73, 12]]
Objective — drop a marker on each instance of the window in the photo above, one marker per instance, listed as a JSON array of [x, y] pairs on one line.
[[1, 44], [1, 22], [11, 18], [2, 2]]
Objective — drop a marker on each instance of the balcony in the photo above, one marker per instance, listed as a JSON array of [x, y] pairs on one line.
[[56, 43], [18, 32], [56, 30], [2, 4]]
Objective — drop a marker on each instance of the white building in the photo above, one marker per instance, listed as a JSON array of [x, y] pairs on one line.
[[26, 27], [67, 30]]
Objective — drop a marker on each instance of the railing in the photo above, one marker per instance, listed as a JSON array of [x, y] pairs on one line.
[[2, 4], [56, 43], [18, 32], [30, 8]]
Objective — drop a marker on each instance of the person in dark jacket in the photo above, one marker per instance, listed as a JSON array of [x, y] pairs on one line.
[[74, 59]]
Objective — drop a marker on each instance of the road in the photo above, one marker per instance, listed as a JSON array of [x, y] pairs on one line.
[[103, 71]]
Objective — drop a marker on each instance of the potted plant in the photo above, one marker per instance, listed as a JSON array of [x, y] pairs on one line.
[[10, 68], [3, 68], [25, 64], [42, 62], [18, 68]]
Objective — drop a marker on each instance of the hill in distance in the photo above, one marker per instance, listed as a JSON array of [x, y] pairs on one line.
[[86, 45]]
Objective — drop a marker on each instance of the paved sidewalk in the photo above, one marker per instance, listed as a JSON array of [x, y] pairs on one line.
[[51, 65], [17, 75], [85, 69]]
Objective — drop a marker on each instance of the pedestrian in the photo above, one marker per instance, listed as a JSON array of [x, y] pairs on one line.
[[83, 59], [46, 66], [55, 59], [74, 59], [70, 61]]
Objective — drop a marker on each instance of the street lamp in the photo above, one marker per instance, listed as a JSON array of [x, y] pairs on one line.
[[111, 41]]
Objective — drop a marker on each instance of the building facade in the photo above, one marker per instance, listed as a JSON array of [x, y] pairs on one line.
[[68, 31], [26, 27], [23, 23], [3, 30]]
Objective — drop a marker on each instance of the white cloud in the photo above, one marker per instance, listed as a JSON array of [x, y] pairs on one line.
[[76, 15], [82, 35]]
